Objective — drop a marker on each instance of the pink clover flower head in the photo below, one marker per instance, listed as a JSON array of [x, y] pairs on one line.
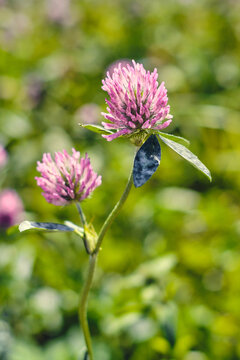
[[3, 156], [11, 208], [137, 105], [67, 178]]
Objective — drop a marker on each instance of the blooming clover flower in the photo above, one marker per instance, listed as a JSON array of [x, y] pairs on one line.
[[137, 105], [11, 208], [67, 178]]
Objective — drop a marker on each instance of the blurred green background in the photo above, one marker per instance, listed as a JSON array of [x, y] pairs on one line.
[[167, 284]]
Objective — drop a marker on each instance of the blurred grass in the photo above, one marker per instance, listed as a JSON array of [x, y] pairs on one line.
[[167, 286]]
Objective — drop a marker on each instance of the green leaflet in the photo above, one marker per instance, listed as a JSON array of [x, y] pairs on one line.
[[146, 161], [49, 227], [77, 229], [96, 128], [178, 139], [187, 155]]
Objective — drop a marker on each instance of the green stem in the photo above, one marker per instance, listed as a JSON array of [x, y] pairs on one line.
[[113, 213], [82, 310], [82, 217], [83, 220], [92, 263]]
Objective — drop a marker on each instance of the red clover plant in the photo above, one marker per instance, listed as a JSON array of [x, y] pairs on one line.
[[137, 110]]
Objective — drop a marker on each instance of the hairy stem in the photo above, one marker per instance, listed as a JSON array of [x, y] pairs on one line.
[[92, 264]]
